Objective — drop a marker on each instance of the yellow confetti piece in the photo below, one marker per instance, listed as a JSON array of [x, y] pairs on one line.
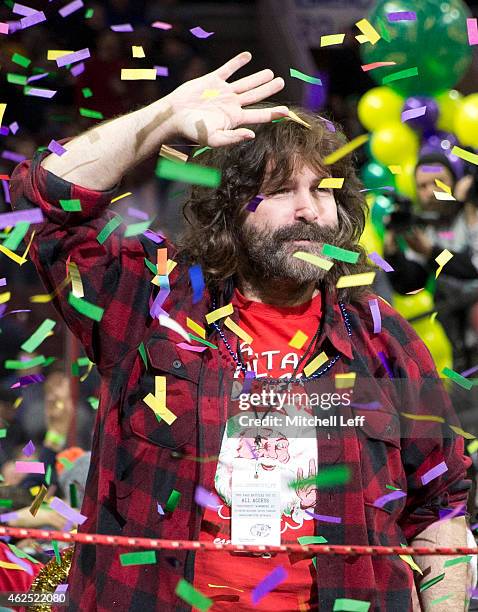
[[16, 258], [331, 39], [170, 266], [209, 94], [224, 586], [160, 387], [320, 262], [137, 51], [442, 259], [17, 402], [346, 149], [241, 333], [44, 298], [54, 54], [298, 340], [87, 373], [3, 106], [157, 407], [423, 417], [443, 186], [7, 565], [172, 154], [415, 291], [433, 316], [331, 183], [293, 117], [315, 364], [368, 30], [362, 39], [462, 432], [345, 381], [4, 297], [472, 447], [25, 253], [356, 280], [384, 300], [200, 331], [395, 169], [409, 560], [138, 74], [120, 197], [466, 155], [76, 282], [219, 313]]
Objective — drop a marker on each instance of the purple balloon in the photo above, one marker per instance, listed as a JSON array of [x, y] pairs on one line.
[[456, 163], [426, 121], [442, 141]]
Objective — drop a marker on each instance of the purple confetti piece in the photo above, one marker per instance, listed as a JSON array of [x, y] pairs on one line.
[[14, 127], [28, 449], [434, 472], [40, 93], [402, 16], [77, 69], [377, 319], [384, 499], [8, 516], [162, 71], [14, 311], [23, 564], [197, 282], [55, 147], [21, 9], [328, 124], [156, 307], [368, 406], [474, 526], [430, 169], [412, 113], [3, 307], [206, 498], [37, 77], [386, 365], [61, 588], [6, 191], [198, 32], [154, 236], [12, 156], [122, 27], [160, 509], [381, 263], [14, 26], [254, 203], [446, 513], [3, 282], [249, 377], [70, 8], [72, 58], [270, 582], [139, 214], [383, 187], [32, 20], [32, 215], [65, 510], [470, 371], [4, 130], [324, 517], [31, 379]]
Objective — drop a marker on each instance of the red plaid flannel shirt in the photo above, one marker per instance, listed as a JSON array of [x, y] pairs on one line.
[[137, 461]]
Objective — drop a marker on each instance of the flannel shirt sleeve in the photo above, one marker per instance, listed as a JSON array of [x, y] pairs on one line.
[[429, 443], [113, 273]]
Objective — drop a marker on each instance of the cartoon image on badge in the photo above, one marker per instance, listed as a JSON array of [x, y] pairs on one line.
[[260, 530]]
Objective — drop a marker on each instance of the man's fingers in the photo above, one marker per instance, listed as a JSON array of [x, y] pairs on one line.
[[231, 66], [260, 93], [263, 115], [228, 137], [252, 81]]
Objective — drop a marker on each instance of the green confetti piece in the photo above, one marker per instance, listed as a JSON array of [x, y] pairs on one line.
[[89, 13], [94, 402], [86, 308], [173, 501], [79, 363], [49, 361], [458, 378], [71, 205], [38, 336], [16, 79], [8, 3], [21, 554], [382, 30], [109, 228], [201, 150], [54, 545], [2, 479], [73, 496], [13, 364], [188, 173], [340, 254], [335, 475], [91, 114], [297, 74], [21, 60], [401, 74], [3, 433], [192, 596], [306, 540], [393, 488], [16, 236], [457, 560], [429, 583], [151, 266], [66, 463], [48, 475], [138, 558], [87, 93], [6, 503], [441, 599], [202, 341], [350, 605], [176, 194], [142, 352], [137, 228]]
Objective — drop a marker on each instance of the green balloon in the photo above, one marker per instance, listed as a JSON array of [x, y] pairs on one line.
[[381, 207], [436, 42], [375, 175]]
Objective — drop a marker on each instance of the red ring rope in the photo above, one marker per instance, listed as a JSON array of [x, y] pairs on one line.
[[319, 549]]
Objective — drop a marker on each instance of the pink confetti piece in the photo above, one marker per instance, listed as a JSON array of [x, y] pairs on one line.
[[206, 498], [65, 510], [161, 25], [40, 93], [402, 16], [32, 20], [31, 379], [198, 32], [14, 127], [8, 516], [381, 263], [190, 347], [12, 156], [32, 215], [71, 7], [77, 69], [434, 472], [386, 365], [23, 564], [254, 203], [72, 58], [55, 147], [21, 9], [324, 517], [269, 583], [413, 112], [3, 28], [446, 235], [162, 71], [384, 499], [373, 65], [122, 27], [29, 467], [28, 449], [377, 319], [472, 28], [139, 214]]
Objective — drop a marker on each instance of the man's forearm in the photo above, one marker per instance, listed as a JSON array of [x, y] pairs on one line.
[[457, 580], [98, 158]]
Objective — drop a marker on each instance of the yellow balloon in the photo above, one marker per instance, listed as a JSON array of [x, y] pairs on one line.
[[437, 342], [394, 144], [410, 306], [448, 103], [405, 180], [370, 239], [379, 106], [466, 121]]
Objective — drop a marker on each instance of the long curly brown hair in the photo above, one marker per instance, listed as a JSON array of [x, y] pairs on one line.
[[215, 216]]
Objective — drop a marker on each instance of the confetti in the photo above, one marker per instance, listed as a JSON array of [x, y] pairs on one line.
[[458, 378], [37, 502], [138, 558], [219, 313], [54, 54], [385, 363], [188, 173], [340, 254], [197, 282], [254, 203], [69, 513], [31, 216], [109, 228], [33, 19], [120, 197], [236, 329], [190, 347], [356, 280], [461, 432], [122, 27], [159, 408], [430, 583], [173, 501], [472, 28], [39, 92], [423, 417], [444, 197], [136, 74], [345, 380], [137, 228], [377, 319], [5, 297], [161, 71], [72, 58], [4, 564], [297, 74], [381, 263], [351, 605], [466, 155], [38, 336], [373, 65], [315, 364], [457, 560], [331, 183], [331, 39], [198, 32], [28, 449], [320, 262], [174, 325], [21, 60], [56, 148], [412, 113], [434, 472], [172, 154], [298, 340], [325, 519], [162, 25], [70, 8], [29, 467], [195, 327], [401, 74], [137, 51], [268, 584], [368, 30], [192, 596], [91, 114], [388, 497], [86, 308], [402, 16], [205, 498], [12, 364], [346, 149]]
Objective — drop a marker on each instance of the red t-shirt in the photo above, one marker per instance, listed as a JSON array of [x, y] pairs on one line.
[[269, 355]]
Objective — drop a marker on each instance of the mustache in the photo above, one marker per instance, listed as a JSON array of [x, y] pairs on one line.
[[302, 231]]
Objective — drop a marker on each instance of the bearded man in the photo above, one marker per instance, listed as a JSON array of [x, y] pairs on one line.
[[165, 404]]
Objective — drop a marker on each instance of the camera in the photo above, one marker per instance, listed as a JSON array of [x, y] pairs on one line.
[[403, 216]]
